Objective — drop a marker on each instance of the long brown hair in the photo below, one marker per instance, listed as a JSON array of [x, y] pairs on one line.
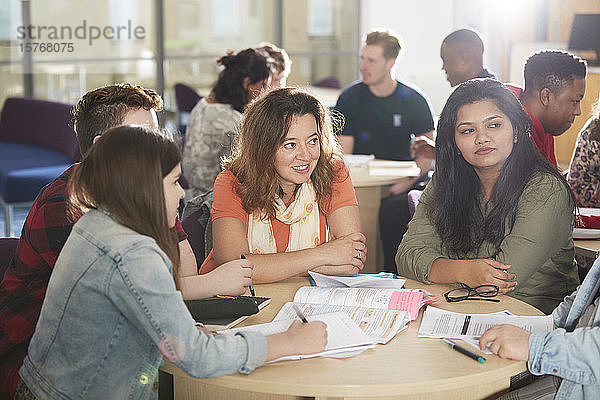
[[266, 123], [123, 174]]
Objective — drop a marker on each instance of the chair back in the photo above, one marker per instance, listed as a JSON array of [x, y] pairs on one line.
[[42, 123], [8, 247], [195, 233], [329, 82], [197, 223], [185, 97]]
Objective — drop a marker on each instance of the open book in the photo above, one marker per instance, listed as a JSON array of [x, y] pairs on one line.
[[388, 299], [344, 337], [380, 313]]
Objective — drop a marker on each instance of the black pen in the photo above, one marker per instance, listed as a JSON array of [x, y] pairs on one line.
[[464, 351], [243, 257], [300, 314]]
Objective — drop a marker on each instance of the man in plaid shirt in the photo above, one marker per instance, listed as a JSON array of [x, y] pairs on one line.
[[49, 223]]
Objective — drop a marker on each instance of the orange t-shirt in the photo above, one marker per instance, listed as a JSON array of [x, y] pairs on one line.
[[227, 203]]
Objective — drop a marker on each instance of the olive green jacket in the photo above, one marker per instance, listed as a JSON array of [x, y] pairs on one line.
[[539, 248]]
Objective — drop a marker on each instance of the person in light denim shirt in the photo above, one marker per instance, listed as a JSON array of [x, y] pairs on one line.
[[112, 311], [568, 357]]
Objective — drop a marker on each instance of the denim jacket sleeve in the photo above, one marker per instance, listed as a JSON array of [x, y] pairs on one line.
[[142, 288], [572, 356], [560, 313]]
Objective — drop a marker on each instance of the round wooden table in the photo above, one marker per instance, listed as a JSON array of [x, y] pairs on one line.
[[406, 367], [371, 183]]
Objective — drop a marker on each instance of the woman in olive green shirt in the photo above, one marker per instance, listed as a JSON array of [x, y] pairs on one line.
[[496, 212]]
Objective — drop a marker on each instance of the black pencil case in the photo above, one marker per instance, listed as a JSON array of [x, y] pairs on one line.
[[221, 307]]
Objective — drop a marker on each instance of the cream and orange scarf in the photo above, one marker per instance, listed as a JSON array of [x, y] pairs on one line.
[[302, 215]]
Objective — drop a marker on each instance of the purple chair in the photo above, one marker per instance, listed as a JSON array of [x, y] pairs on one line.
[[413, 199], [8, 246], [185, 97], [330, 82], [37, 143], [185, 100]]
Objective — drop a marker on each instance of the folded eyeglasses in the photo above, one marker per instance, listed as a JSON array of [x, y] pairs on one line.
[[482, 292]]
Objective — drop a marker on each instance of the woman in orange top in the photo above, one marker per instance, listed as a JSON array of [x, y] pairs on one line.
[[285, 199]]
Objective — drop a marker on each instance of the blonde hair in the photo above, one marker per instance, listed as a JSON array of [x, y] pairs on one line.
[[389, 40]]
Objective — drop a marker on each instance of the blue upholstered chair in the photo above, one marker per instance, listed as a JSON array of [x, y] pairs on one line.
[[37, 143]]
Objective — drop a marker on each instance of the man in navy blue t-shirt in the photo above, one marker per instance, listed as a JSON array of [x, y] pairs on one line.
[[382, 116], [381, 113]]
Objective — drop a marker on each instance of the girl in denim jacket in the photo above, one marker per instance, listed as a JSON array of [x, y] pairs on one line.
[[112, 311], [569, 356]]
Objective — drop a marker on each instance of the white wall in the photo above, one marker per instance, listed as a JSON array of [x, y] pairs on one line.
[[423, 24]]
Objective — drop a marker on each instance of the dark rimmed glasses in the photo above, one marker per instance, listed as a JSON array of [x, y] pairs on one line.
[[483, 292]]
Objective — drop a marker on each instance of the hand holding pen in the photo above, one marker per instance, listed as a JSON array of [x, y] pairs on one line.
[[300, 314], [231, 278], [243, 257]]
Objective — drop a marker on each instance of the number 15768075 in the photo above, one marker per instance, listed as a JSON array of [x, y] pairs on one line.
[[49, 47]]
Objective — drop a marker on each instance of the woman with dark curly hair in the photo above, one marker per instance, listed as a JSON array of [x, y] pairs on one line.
[[285, 199], [214, 121], [496, 212]]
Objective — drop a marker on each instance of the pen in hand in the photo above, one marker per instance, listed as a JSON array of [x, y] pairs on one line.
[[299, 313], [243, 257], [464, 351]]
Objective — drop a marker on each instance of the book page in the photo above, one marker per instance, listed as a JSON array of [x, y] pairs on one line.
[[379, 324], [438, 323], [391, 299]]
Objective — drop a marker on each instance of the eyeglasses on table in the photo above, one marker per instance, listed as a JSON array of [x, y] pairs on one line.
[[482, 292]]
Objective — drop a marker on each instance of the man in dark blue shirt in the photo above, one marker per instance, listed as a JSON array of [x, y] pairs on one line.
[[382, 117], [381, 113]]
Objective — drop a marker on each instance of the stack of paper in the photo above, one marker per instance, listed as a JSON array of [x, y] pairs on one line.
[[357, 160], [380, 313], [344, 337], [381, 325], [384, 280], [438, 323], [393, 168]]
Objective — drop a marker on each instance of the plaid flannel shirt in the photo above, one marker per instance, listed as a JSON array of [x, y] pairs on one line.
[[23, 288]]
